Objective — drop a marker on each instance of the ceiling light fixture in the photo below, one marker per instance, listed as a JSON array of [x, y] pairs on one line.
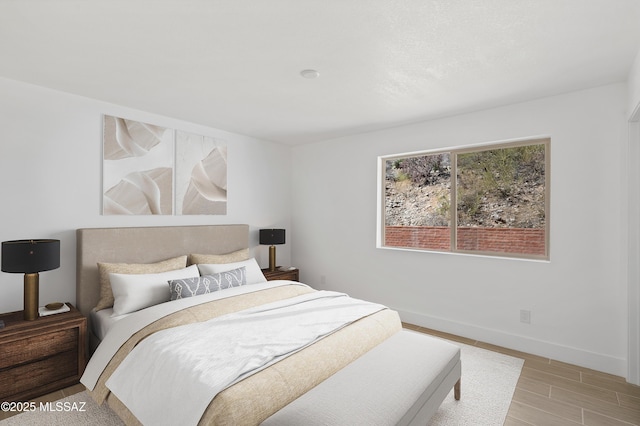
[[309, 73]]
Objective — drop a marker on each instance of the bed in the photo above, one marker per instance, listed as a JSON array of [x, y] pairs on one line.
[[278, 392]]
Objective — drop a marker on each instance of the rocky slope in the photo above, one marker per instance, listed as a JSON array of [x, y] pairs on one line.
[[407, 203]]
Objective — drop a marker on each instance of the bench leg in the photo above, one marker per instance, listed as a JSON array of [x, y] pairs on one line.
[[456, 390]]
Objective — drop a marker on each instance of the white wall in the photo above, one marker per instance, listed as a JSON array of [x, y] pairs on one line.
[[578, 299], [633, 100], [631, 185], [50, 174]]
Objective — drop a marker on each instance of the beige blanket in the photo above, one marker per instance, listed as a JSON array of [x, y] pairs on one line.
[[262, 394]]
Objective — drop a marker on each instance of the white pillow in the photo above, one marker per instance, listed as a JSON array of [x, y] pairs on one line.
[[132, 292], [254, 274]]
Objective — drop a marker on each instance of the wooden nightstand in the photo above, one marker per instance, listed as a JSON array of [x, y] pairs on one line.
[[284, 274], [41, 356]]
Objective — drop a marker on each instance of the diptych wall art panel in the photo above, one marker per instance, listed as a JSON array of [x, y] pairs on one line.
[[137, 168], [201, 175], [153, 170]]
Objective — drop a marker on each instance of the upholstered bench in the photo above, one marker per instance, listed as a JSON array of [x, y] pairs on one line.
[[402, 381]]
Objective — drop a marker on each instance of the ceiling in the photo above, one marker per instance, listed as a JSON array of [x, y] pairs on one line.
[[235, 64]]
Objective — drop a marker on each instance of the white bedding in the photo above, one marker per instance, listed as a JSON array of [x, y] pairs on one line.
[[102, 321], [126, 327], [179, 371]]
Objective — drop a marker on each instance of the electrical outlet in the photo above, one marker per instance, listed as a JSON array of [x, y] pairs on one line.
[[525, 316]]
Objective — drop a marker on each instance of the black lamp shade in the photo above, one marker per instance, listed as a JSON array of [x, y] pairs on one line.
[[271, 236], [30, 256]]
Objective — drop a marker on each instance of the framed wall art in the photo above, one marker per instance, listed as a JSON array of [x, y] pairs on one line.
[[154, 170]]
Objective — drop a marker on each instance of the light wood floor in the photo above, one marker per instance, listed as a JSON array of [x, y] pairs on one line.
[[548, 393], [551, 393]]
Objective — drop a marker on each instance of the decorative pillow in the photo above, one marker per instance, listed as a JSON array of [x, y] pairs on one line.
[[104, 269], [138, 291], [189, 287], [235, 256], [254, 274]]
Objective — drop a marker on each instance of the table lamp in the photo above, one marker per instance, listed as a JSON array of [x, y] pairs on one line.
[[272, 237], [30, 257]]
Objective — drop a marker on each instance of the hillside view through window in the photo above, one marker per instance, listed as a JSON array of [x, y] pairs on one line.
[[496, 204]]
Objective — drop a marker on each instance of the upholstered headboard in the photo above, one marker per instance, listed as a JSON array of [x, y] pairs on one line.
[[145, 245]]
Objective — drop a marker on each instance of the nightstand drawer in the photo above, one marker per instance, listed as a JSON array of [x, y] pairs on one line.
[[40, 346], [25, 377], [282, 274]]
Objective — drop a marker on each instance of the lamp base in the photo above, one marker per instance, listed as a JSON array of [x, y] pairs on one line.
[[31, 296], [272, 258]]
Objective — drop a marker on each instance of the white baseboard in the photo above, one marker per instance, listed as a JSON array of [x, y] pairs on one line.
[[558, 352]]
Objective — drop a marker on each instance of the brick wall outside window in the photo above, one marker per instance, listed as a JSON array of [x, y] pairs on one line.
[[501, 240]]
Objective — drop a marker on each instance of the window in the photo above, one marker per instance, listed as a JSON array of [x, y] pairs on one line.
[[489, 199]]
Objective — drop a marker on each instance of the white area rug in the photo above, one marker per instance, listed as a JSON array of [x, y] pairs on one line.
[[488, 382]]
